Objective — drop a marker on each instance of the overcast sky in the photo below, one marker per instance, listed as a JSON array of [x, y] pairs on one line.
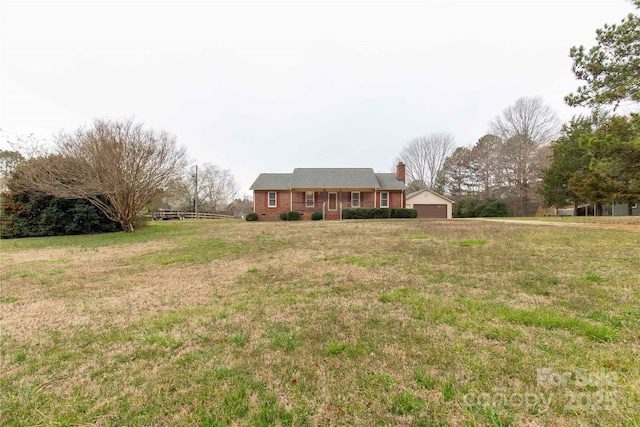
[[267, 86]]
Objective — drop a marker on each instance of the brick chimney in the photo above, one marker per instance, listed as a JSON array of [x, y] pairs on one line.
[[400, 172]]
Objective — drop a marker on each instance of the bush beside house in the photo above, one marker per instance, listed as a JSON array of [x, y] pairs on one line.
[[290, 216], [381, 213]]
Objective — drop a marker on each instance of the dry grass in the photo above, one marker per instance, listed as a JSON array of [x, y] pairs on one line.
[[396, 322]]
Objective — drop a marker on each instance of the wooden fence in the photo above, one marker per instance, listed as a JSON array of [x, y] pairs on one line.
[[167, 215]]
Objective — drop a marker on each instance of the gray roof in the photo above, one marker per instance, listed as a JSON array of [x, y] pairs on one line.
[[333, 178], [271, 181], [342, 178], [388, 181]]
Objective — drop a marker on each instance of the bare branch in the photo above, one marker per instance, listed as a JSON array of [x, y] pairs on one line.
[[530, 118], [118, 166], [425, 156], [526, 127]]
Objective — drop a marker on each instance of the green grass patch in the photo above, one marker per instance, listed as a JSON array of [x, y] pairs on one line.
[[240, 339], [594, 278], [425, 379], [406, 403], [283, 337], [375, 260], [503, 333], [549, 320], [470, 242], [420, 236], [81, 243], [335, 348], [196, 251], [36, 273], [161, 339]]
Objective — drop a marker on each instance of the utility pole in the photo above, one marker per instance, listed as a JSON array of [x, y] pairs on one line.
[[195, 195]]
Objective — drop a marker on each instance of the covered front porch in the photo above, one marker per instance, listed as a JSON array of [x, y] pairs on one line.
[[331, 202]]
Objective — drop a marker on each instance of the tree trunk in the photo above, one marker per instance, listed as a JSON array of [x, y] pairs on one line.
[[629, 209], [126, 225]]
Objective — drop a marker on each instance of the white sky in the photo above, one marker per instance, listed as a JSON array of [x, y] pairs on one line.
[[267, 86]]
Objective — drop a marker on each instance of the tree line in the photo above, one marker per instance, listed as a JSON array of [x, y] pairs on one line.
[[527, 157], [105, 174], [596, 160]]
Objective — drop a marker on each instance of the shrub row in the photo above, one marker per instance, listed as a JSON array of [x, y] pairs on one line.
[[372, 213], [404, 213], [360, 213], [471, 208], [290, 216]]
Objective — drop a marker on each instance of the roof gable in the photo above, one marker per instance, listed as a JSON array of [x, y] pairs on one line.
[[415, 193]]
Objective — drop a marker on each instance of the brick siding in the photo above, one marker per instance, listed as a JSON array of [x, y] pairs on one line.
[[285, 200]]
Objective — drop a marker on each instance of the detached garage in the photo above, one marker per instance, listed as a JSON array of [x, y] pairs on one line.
[[430, 204]]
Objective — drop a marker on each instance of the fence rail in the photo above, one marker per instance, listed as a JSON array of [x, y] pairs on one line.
[[167, 215]]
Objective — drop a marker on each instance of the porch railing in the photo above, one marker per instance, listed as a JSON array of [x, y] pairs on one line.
[[322, 206]]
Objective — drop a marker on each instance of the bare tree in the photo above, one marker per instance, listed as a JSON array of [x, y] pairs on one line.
[[118, 166], [217, 188], [9, 160], [530, 118], [425, 156], [526, 127]]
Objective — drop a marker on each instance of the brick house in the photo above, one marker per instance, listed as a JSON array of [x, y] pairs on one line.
[[327, 190]]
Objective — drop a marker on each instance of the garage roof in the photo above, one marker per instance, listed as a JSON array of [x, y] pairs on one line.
[[415, 193]]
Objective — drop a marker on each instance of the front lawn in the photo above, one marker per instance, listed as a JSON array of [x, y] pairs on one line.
[[381, 322]]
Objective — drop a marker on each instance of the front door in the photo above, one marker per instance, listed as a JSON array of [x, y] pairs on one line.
[[333, 201]]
